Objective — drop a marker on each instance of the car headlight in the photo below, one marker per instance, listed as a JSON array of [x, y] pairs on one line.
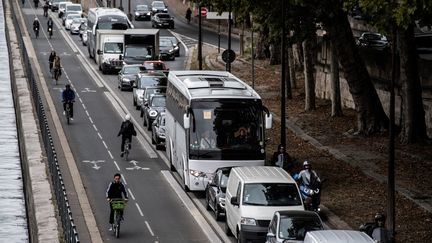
[[137, 14], [126, 80], [153, 113], [165, 9], [197, 173], [154, 9], [149, 13], [248, 221]]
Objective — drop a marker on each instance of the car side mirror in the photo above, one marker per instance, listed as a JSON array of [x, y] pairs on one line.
[[268, 120], [270, 235], [234, 201], [120, 57], [99, 52], [186, 121]]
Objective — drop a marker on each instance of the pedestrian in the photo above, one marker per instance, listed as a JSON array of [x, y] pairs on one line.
[[188, 15], [282, 159]]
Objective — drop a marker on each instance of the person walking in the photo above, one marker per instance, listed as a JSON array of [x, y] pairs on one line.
[[188, 15]]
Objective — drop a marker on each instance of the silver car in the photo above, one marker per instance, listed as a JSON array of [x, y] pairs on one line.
[[75, 25]]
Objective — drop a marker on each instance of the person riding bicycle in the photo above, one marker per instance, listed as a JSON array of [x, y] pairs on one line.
[[50, 24], [188, 15], [45, 9], [115, 190], [127, 130], [36, 24], [51, 59], [57, 66], [68, 96]]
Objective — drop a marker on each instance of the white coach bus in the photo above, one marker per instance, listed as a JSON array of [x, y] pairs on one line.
[[106, 19], [213, 119]]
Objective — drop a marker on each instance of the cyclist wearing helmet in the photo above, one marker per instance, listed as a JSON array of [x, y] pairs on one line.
[[127, 130], [68, 96]]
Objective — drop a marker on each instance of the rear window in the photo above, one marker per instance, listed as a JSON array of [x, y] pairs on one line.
[[271, 194], [73, 8]]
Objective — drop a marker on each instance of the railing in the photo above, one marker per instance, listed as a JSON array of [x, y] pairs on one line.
[[69, 229]]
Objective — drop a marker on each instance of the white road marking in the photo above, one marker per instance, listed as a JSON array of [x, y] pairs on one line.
[[123, 178], [130, 193], [87, 113], [84, 106], [81, 101], [95, 128], [139, 209], [148, 227], [100, 136], [91, 120], [105, 144], [118, 168], [110, 154]]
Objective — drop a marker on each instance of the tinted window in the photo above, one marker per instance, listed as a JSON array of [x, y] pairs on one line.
[[158, 101], [142, 7], [133, 69], [164, 16], [113, 48], [73, 8], [295, 228], [271, 194], [146, 81], [165, 43]]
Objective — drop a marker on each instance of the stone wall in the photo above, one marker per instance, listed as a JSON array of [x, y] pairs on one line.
[[379, 67]]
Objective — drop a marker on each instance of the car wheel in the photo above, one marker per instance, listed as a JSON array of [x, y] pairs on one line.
[[145, 122], [208, 202], [142, 113], [153, 139], [148, 126], [216, 211], [134, 102], [239, 238]]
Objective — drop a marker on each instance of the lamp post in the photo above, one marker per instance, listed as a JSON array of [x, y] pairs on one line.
[[199, 40], [228, 64], [282, 112]]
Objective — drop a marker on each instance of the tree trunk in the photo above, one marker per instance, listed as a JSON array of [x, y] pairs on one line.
[[275, 53], [370, 113], [292, 68], [288, 87], [261, 45], [309, 71], [413, 114], [335, 82]]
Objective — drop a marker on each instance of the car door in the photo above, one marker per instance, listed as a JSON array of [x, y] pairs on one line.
[[273, 230], [236, 210]]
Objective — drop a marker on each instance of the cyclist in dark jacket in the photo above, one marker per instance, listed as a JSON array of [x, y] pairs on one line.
[[68, 95], [127, 130], [116, 189]]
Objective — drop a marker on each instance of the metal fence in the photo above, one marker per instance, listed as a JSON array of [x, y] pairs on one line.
[[69, 229]]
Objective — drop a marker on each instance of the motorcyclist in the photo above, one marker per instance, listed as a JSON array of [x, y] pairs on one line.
[[127, 130], [68, 96], [115, 190], [36, 26], [310, 185]]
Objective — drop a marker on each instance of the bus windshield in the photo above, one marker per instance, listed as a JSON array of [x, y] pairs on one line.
[[228, 129], [113, 23]]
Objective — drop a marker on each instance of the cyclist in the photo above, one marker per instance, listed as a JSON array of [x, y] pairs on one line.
[[51, 59], [116, 189], [68, 96], [57, 66], [36, 26], [127, 129], [50, 23]]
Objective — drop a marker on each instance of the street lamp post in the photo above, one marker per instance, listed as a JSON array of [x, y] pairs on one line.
[[282, 129], [199, 40], [228, 64]]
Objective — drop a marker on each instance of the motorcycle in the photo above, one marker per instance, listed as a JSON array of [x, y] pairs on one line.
[[311, 196], [36, 30], [50, 32]]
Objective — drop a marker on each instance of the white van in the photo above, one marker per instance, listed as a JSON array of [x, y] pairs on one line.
[[253, 194], [73, 7], [337, 236]]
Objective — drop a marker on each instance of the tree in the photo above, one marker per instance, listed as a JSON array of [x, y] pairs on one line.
[[335, 82], [309, 71]]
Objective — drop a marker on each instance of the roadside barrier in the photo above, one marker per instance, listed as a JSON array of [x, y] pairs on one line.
[[70, 233]]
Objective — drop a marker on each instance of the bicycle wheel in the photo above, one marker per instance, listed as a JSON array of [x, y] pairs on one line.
[[117, 223], [67, 114], [126, 149]]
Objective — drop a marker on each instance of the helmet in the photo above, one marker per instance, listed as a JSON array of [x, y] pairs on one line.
[[306, 163], [127, 117], [36, 18], [379, 217]]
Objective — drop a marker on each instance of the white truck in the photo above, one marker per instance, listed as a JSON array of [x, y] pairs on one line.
[[140, 45], [110, 50]]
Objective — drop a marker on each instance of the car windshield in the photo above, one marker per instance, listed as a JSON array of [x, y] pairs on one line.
[[134, 69], [154, 66], [113, 22], [271, 194], [146, 81], [142, 7], [113, 48], [78, 20], [158, 5], [73, 8], [373, 36], [158, 101], [164, 16], [165, 43], [295, 228], [73, 16], [152, 91], [171, 38]]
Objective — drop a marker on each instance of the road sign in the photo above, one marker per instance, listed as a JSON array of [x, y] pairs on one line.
[[231, 54], [216, 15], [203, 11]]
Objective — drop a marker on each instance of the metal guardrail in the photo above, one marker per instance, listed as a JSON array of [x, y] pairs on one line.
[[70, 233]]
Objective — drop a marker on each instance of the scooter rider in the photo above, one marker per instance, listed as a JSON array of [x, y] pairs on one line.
[[50, 23], [36, 26], [310, 184]]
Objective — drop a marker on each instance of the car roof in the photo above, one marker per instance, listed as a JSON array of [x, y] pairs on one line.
[[263, 174], [297, 213], [338, 236]]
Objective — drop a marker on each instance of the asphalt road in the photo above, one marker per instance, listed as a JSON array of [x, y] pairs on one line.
[[155, 213]]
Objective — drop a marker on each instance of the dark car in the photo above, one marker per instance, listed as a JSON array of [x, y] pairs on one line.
[[156, 66], [373, 40], [128, 76], [153, 107], [166, 50], [163, 20], [215, 191], [158, 130], [158, 7], [142, 12], [292, 226], [149, 91], [144, 81], [175, 42]]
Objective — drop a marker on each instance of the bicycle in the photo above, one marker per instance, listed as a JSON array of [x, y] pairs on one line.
[[68, 112], [127, 147], [56, 74], [118, 205]]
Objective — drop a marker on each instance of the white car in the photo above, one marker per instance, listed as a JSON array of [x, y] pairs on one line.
[[69, 20], [75, 25]]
